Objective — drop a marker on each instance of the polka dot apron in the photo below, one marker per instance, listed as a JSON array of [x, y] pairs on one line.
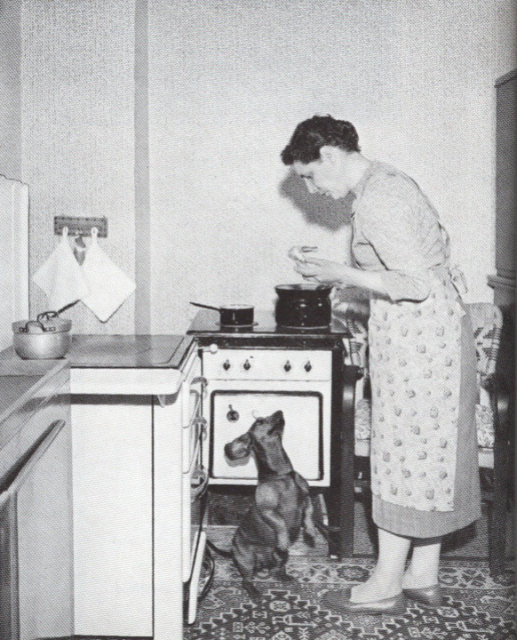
[[415, 369]]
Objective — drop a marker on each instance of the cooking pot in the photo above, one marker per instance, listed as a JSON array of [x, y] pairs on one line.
[[303, 306], [46, 338], [232, 315]]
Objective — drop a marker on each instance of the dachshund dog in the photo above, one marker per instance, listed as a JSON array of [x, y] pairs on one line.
[[281, 507]]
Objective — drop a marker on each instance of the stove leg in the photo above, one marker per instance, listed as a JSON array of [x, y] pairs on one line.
[[339, 497]]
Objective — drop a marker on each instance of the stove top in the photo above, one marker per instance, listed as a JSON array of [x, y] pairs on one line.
[[207, 323]]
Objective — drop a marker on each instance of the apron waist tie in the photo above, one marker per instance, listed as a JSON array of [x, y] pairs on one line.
[[456, 276]]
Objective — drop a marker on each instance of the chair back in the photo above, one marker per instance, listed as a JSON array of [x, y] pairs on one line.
[[487, 323]]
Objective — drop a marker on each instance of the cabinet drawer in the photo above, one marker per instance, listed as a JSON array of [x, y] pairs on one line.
[[35, 425]]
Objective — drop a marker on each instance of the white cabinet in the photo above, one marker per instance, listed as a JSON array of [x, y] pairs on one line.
[[36, 562], [112, 507], [127, 445]]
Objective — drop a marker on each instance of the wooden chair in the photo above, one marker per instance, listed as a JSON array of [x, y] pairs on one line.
[[493, 419]]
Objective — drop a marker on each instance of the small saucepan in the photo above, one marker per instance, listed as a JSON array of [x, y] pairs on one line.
[[232, 315], [47, 337]]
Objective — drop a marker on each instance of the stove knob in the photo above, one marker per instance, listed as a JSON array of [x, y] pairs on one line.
[[226, 365], [247, 365], [287, 366], [307, 366]]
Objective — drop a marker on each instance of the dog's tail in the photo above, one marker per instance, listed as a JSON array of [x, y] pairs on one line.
[[225, 553]]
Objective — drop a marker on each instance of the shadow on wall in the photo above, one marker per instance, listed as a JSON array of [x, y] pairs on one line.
[[317, 209]]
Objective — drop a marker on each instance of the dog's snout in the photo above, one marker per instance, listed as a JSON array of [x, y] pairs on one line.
[[238, 448]]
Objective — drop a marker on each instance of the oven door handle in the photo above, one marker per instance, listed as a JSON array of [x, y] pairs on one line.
[[199, 490]]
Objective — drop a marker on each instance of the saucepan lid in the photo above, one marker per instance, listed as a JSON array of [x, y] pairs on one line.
[[48, 321], [304, 286]]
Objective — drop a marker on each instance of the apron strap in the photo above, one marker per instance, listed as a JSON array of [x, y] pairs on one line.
[[456, 274]]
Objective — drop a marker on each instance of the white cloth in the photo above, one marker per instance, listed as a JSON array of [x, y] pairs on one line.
[[60, 277], [108, 285]]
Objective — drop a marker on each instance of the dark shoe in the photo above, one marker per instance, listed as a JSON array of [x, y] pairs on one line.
[[339, 601], [429, 596]]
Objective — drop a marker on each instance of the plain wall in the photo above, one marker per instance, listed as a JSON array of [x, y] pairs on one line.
[[78, 133], [229, 80]]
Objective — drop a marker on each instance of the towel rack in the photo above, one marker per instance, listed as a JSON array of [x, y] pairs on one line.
[[81, 226]]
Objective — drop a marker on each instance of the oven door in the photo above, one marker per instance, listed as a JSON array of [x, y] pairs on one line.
[[233, 412]]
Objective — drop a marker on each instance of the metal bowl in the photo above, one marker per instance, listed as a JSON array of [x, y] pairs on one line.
[[46, 338], [42, 346]]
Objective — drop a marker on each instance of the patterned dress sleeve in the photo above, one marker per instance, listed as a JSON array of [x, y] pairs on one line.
[[392, 225]]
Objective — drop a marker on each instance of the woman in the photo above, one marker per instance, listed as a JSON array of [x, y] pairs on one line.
[[424, 467]]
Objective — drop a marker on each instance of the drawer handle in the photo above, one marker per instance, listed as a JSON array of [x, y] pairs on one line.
[[199, 490], [200, 380]]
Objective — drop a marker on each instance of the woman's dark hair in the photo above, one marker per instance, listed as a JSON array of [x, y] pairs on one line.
[[316, 132]]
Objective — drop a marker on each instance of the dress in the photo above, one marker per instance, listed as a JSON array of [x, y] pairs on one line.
[[424, 465]]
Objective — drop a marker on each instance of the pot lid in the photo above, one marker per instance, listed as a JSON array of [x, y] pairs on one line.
[[304, 286], [48, 321]]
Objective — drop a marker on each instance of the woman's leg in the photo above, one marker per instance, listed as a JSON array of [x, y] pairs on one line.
[[386, 579], [423, 568]]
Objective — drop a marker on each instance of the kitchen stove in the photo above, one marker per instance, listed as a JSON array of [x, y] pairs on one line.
[[256, 370]]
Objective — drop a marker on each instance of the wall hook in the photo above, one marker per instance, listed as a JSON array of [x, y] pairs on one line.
[[79, 249]]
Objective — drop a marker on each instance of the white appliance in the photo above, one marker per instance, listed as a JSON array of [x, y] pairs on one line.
[[14, 252]]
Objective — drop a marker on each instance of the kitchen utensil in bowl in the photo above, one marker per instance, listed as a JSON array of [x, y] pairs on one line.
[[46, 338], [232, 315], [303, 306]]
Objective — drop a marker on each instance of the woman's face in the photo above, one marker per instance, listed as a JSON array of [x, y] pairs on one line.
[[324, 175]]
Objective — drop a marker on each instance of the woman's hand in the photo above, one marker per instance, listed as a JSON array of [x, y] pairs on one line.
[[319, 270], [341, 275]]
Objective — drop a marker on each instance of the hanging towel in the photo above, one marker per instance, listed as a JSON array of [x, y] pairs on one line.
[[108, 285], [61, 277]]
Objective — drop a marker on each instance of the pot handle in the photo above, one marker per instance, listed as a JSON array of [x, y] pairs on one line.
[[205, 306], [25, 329], [47, 315]]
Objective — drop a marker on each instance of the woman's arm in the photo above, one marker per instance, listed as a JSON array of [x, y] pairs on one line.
[[341, 275]]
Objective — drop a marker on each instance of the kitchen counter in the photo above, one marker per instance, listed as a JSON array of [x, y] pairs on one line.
[[21, 381], [119, 364], [25, 389], [127, 364]]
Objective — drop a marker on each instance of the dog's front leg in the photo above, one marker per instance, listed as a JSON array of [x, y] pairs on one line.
[[267, 501], [309, 531]]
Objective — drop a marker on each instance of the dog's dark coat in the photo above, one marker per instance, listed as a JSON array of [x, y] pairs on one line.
[[281, 507]]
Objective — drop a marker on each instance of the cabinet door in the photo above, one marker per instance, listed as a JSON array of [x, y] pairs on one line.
[[8, 586], [112, 497], [43, 528]]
